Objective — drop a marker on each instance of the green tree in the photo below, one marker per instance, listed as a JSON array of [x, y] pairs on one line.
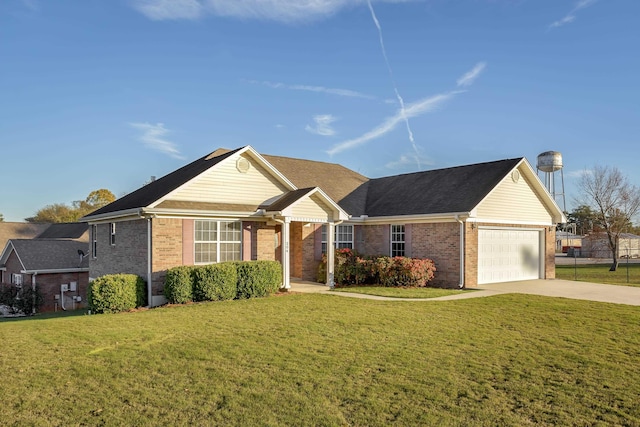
[[585, 219], [60, 212], [1, 217], [614, 200]]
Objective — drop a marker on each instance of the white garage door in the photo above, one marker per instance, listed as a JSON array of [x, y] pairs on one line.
[[507, 255]]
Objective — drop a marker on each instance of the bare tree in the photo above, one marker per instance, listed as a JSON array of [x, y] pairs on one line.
[[614, 200]]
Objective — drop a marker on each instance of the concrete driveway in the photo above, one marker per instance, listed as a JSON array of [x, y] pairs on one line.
[[569, 289], [551, 288]]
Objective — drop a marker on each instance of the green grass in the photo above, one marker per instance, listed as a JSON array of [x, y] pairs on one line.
[[599, 273], [401, 292], [310, 359]]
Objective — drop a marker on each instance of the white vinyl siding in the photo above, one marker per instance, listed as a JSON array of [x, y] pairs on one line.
[[224, 183], [514, 202], [312, 208], [217, 241]]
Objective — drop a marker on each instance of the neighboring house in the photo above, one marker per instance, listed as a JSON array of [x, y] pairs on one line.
[[566, 241], [55, 261], [480, 223], [596, 245], [19, 230]]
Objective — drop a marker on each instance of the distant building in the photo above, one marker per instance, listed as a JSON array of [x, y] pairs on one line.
[[596, 245]]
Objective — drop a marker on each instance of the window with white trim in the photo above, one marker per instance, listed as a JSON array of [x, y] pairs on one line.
[[397, 240], [217, 241], [94, 241], [16, 279], [343, 237], [112, 233]]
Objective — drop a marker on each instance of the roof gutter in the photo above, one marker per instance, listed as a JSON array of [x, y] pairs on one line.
[[400, 219], [55, 270], [112, 215]]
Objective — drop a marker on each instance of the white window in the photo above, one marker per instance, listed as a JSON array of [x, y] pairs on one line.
[[343, 237], [94, 241], [217, 241], [16, 279], [112, 233], [397, 240]]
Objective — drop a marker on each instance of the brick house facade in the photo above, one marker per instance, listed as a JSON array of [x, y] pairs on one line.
[[238, 204]]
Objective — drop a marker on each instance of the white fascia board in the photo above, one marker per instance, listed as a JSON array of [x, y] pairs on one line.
[[504, 221], [411, 219], [111, 216], [53, 271], [185, 213], [340, 213]]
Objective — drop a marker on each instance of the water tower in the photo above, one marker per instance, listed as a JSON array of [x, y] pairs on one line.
[[550, 162]]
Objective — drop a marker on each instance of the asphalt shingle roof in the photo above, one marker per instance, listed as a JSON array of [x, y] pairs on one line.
[[51, 254], [19, 230], [456, 189], [450, 190], [66, 230]]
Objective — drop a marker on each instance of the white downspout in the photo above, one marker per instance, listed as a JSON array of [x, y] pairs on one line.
[[461, 284], [331, 253]]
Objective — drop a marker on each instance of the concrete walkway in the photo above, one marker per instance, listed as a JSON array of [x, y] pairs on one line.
[[552, 288]]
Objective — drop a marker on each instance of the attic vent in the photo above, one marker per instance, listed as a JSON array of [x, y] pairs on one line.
[[515, 176], [243, 165]]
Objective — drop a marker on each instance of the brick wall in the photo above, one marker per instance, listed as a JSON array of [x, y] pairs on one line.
[[550, 253], [309, 261], [373, 240], [263, 246], [49, 286], [128, 255], [166, 235], [296, 249], [441, 243]]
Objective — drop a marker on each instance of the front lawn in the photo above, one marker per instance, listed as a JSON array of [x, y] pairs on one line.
[[310, 359], [397, 292], [599, 273]]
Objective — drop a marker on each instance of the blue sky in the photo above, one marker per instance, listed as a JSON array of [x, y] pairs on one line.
[[106, 93]]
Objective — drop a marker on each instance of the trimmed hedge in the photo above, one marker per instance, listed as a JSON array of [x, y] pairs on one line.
[[114, 293], [223, 281], [258, 278], [215, 282], [178, 284]]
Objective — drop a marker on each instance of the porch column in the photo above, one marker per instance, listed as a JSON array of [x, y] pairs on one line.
[[286, 261], [331, 254]]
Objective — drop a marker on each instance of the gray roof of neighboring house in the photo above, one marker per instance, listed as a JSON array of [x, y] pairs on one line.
[[19, 230], [450, 190], [50, 254], [66, 230]]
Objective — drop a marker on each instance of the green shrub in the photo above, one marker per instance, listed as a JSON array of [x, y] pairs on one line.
[[115, 293], [215, 282], [258, 278], [178, 284], [21, 300]]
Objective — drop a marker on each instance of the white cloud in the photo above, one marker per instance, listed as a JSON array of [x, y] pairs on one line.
[[287, 11], [470, 76], [160, 10], [323, 125], [412, 110], [579, 173], [153, 136], [319, 89], [571, 16]]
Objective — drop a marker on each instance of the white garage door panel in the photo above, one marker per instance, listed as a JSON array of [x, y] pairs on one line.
[[508, 255]]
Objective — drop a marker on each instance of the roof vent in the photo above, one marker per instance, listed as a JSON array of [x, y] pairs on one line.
[[243, 165]]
